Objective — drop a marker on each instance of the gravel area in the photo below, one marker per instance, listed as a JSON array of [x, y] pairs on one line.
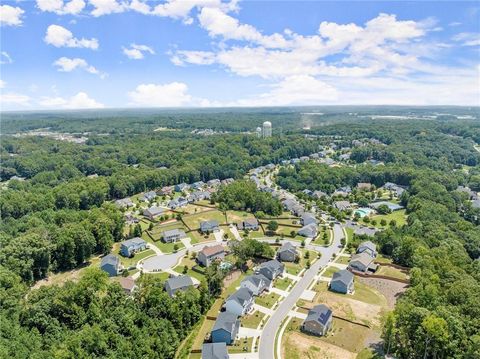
[[390, 289]]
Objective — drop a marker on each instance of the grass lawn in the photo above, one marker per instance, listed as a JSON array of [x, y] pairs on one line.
[[163, 276], [296, 268], [128, 262], [203, 332], [241, 345], [382, 259], [329, 272], [342, 260], [320, 240], [282, 283], [363, 293], [252, 320], [193, 221], [367, 353], [347, 336], [169, 247], [398, 216], [190, 263], [238, 216], [392, 272], [267, 300], [349, 233]]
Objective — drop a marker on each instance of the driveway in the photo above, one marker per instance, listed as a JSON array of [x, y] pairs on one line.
[[267, 339], [218, 236], [235, 233]]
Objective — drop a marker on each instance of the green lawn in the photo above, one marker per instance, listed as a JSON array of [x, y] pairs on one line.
[[329, 272], [193, 221], [163, 276], [342, 260], [347, 336], [190, 263], [399, 216], [296, 268], [267, 300], [203, 332], [319, 240], [127, 262], [252, 320], [363, 293], [282, 283], [383, 259], [169, 247], [241, 345]]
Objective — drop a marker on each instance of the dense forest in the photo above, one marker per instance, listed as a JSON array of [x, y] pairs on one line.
[[58, 215]]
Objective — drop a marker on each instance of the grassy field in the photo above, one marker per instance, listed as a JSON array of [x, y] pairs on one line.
[[347, 336], [193, 221], [238, 216], [169, 247], [399, 216], [163, 276], [329, 272], [252, 320], [362, 293], [382, 259], [320, 237], [282, 283], [296, 268], [203, 332], [392, 272], [128, 262], [267, 300]]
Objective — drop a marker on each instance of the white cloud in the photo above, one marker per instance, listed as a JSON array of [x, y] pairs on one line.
[[5, 58], [105, 7], [10, 16], [467, 38], [174, 94], [79, 101], [137, 52], [12, 98], [59, 36], [65, 64], [60, 7]]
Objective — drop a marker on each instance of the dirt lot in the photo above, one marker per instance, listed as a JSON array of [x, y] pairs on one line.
[[390, 289]]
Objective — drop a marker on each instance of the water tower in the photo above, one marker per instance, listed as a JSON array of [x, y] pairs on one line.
[[258, 131], [267, 129]]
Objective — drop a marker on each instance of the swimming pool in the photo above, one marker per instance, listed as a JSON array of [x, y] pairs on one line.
[[362, 212]]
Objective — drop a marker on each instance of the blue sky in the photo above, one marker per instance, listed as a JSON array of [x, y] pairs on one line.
[[59, 54]]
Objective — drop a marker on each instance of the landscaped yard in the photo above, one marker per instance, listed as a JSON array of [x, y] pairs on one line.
[[193, 221], [169, 247], [203, 332], [342, 260], [282, 283], [190, 263], [267, 300], [128, 262], [241, 345], [252, 320], [362, 293], [296, 268], [399, 216], [329, 272]]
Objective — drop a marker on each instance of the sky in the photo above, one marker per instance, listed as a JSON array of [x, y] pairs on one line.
[[79, 54]]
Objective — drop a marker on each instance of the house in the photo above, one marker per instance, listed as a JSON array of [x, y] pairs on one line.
[[392, 187], [147, 197], [318, 321], [227, 181], [319, 194], [210, 253], [250, 224], [390, 205], [271, 269], [365, 231], [131, 219], [362, 262], [209, 226], [342, 282], [240, 302], [167, 190], [132, 246], [308, 218], [177, 203], [198, 196], [304, 158], [124, 203], [173, 235], [153, 212], [344, 157], [342, 191], [256, 283], [288, 204], [181, 187], [307, 192], [287, 252], [225, 328], [472, 195], [213, 182], [364, 186], [111, 264], [342, 205], [476, 203], [298, 210], [309, 231], [368, 247], [128, 284], [214, 351], [174, 284], [197, 185]]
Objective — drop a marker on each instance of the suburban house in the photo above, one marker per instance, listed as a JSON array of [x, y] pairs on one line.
[[173, 235], [210, 253], [181, 187], [198, 196], [148, 196], [362, 186], [214, 351], [124, 203], [297, 210], [362, 262], [209, 226], [227, 181], [390, 205], [288, 204], [174, 284], [319, 194], [342, 192], [256, 283], [342, 282], [132, 246], [178, 202], [342, 205], [131, 219], [250, 224], [240, 302], [287, 252], [308, 218], [167, 190], [309, 231], [307, 192], [271, 269], [153, 212], [197, 185], [225, 328], [398, 190], [213, 183], [319, 320], [128, 284], [365, 231], [368, 247], [111, 264]]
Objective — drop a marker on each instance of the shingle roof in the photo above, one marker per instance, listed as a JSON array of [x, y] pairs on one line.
[[241, 296], [225, 321], [214, 351], [133, 242], [367, 245], [319, 313], [272, 264], [174, 232], [127, 283], [212, 250], [343, 276], [363, 258], [256, 279], [181, 281], [110, 259], [287, 246]]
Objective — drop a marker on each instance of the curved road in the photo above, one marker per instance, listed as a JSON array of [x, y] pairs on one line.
[[267, 339]]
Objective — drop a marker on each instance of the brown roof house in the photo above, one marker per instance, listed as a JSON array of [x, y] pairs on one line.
[[209, 254]]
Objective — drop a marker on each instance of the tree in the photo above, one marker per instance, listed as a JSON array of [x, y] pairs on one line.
[[137, 230], [384, 209], [185, 269], [175, 247], [436, 334], [272, 226], [383, 222]]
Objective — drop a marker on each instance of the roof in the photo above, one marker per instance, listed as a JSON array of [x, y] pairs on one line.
[[212, 250], [241, 296], [343, 276], [127, 283], [363, 258], [173, 232], [319, 313], [133, 242], [214, 351], [251, 221], [256, 279], [110, 259], [273, 265], [287, 246], [225, 321], [365, 231], [210, 224], [369, 245], [310, 230], [181, 281], [154, 210]]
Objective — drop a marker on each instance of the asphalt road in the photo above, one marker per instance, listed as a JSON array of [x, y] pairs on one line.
[[267, 339]]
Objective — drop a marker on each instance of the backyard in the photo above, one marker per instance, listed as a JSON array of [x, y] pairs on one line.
[[267, 300]]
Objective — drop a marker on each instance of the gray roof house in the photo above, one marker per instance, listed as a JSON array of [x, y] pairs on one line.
[[181, 187], [342, 205], [368, 247], [178, 202], [148, 196], [365, 231], [287, 252], [308, 218], [256, 283], [208, 226], [362, 262], [319, 194], [153, 212], [309, 231], [240, 302], [297, 210], [271, 269], [288, 204], [198, 196], [132, 246], [197, 185], [342, 282], [213, 182], [248, 224], [318, 321], [225, 328], [210, 253], [173, 235], [174, 284], [111, 264], [124, 203], [214, 351]]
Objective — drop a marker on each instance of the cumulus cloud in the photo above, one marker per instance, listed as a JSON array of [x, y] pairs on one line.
[[79, 101], [5, 58], [137, 52], [12, 98], [11, 15], [61, 7], [105, 7], [65, 64], [59, 36], [174, 94]]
